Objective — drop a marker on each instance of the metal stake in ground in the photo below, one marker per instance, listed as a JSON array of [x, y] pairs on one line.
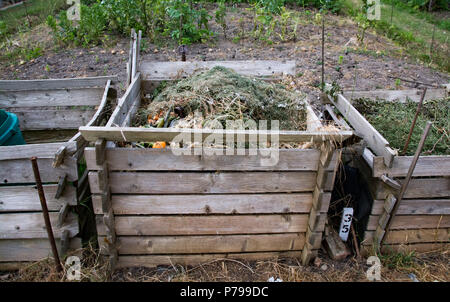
[[407, 179], [419, 107], [48, 225], [323, 54]]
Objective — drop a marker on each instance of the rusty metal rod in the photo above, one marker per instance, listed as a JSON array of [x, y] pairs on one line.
[[419, 107], [407, 179], [48, 224]]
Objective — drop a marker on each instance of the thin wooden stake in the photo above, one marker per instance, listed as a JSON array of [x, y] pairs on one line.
[[419, 107], [323, 54], [432, 42], [407, 179]]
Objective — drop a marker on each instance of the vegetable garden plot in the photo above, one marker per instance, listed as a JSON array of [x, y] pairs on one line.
[[423, 220], [156, 207], [46, 106]]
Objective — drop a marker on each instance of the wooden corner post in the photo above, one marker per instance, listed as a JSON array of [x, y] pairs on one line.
[[108, 215], [316, 220]]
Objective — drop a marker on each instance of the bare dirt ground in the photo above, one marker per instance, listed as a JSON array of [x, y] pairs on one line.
[[363, 68]]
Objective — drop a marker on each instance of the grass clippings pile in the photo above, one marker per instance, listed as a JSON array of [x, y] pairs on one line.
[[222, 95], [393, 120]]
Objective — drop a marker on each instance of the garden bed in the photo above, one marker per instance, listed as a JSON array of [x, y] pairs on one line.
[[54, 109]]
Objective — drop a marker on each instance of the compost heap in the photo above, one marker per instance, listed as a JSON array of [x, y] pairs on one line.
[[219, 95], [393, 120]]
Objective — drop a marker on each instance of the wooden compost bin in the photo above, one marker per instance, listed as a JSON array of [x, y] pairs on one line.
[[47, 110], [155, 208], [422, 222]]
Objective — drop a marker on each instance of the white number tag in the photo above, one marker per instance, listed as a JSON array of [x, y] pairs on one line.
[[346, 223]]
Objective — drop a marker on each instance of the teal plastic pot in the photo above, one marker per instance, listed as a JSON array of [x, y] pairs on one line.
[[10, 134]]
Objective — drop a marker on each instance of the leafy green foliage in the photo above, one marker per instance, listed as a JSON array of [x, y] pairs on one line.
[[393, 120]]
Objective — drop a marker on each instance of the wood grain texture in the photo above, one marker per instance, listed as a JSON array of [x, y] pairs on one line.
[[208, 204], [171, 70], [155, 260], [39, 150], [26, 198], [413, 222], [363, 128], [412, 236], [18, 85], [416, 207], [52, 119], [418, 188], [433, 165], [32, 225], [206, 225], [20, 170], [31, 249], [133, 245], [408, 248], [131, 134], [397, 95], [209, 183], [45, 98], [126, 159]]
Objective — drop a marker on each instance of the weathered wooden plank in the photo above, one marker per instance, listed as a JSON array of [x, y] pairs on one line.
[[408, 248], [122, 159], [26, 198], [31, 249], [208, 204], [45, 98], [123, 107], [208, 183], [17, 85], [152, 71], [363, 128], [132, 245], [39, 150], [416, 207], [418, 188], [52, 119], [413, 236], [155, 260], [434, 165], [412, 222], [20, 170], [130, 134], [397, 95], [31, 225], [207, 225]]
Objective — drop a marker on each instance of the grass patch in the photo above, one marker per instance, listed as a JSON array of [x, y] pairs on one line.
[[393, 120], [18, 18], [411, 29]]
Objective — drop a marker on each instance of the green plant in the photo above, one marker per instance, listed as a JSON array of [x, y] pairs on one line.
[[220, 15]]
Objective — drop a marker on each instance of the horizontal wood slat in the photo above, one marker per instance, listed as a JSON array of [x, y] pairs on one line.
[[31, 249], [412, 236], [413, 222], [39, 150], [209, 244], [206, 225], [210, 204], [18, 85], [170, 70], [433, 165], [26, 198], [416, 207], [122, 159], [417, 188], [211, 183], [20, 170], [33, 119], [45, 98], [155, 260], [397, 95], [132, 134], [408, 248], [31, 225]]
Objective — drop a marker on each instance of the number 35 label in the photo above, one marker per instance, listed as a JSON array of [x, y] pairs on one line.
[[346, 222]]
